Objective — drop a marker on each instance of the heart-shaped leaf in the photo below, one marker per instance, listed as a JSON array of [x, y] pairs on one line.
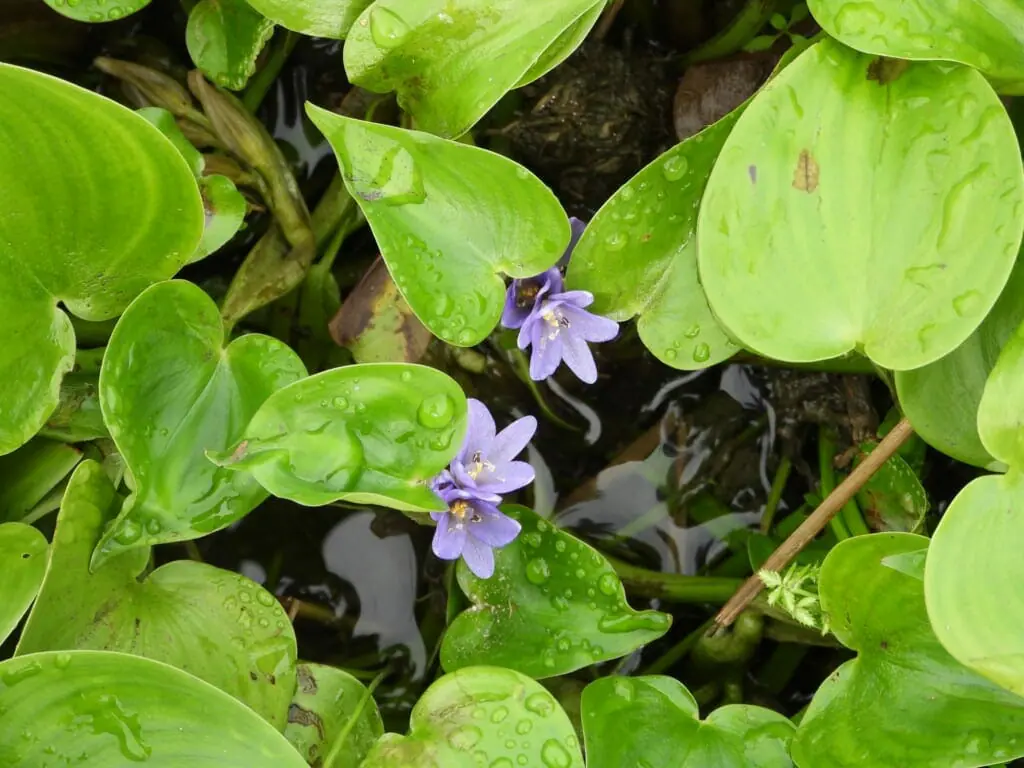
[[317, 18], [893, 498], [91, 217], [450, 63], [872, 212], [653, 721], [22, 562], [224, 37], [368, 434], [904, 700], [482, 716], [214, 624], [553, 605], [448, 218], [988, 34], [96, 11], [171, 391], [639, 255], [973, 566], [1001, 410], [942, 398], [109, 710], [333, 720]]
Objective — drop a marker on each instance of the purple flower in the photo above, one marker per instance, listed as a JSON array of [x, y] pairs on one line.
[[483, 469], [524, 293]]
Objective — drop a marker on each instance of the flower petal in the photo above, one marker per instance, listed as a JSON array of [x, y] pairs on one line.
[[574, 298], [495, 529], [479, 557], [480, 431], [547, 352], [449, 539], [510, 442], [590, 326], [507, 477], [578, 357], [513, 316]]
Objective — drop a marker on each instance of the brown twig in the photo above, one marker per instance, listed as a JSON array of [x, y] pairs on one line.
[[814, 524], [605, 25]]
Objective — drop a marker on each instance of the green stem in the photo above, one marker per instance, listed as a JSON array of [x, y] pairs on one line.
[[521, 366], [827, 470], [853, 519], [775, 494], [679, 651], [339, 741], [776, 673], [674, 587], [259, 84]]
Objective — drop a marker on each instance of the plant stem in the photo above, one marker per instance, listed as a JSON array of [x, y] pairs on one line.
[[674, 587], [608, 19], [260, 83], [814, 524], [677, 652], [775, 494]]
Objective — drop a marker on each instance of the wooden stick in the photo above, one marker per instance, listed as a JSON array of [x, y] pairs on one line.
[[607, 19], [814, 524]]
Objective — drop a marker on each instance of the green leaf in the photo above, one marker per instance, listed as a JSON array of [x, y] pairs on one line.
[[109, 710], [554, 605], [78, 417], [482, 716], [214, 624], [941, 399], [639, 255], [225, 209], [904, 700], [332, 714], [22, 562], [1001, 410], [367, 434], [28, 475], [868, 224], [91, 216], [653, 721], [987, 35], [224, 37], [448, 218], [96, 11], [564, 46], [164, 121], [893, 498], [450, 63], [316, 18], [171, 391], [973, 568]]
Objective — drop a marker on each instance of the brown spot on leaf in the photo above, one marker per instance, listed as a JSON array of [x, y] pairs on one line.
[[307, 683], [239, 452], [301, 716], [253, 676], [884, 71], [805, 178]]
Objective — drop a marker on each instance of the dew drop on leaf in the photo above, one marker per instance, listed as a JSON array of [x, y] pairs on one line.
[[538, 571], [436, 411], [387, 28]]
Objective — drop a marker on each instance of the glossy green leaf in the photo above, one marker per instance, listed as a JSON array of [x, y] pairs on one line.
[[448, 218], [31, 473], [109, 710], [985, 34], [214, 624], [96, 11], [225, 209], [553, 605], [333, 720], [893, 498], [941, 399], [639, 255], [482, 716], [653, 721], [91, 217], [170, 391], [224, 37], [367, 434], [23, 552], [904, 701], [449, 62], [973, 571], [317, 18], [78, 416], [165, 122], [869, 223], [1001, 411], [565, 45]]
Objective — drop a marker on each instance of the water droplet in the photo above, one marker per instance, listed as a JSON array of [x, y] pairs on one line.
[[264, 598], [20, 674], [465, 738], [340, 403], [540, 704], [436, 411], [442, 305], [153, 526], [542, 526], [524, 726], [650, 621], [675, 168], [499, 715], [62, 660], [564, 644], [560, 546], [554, 755], [626, 193], [465, 337], [387, 28], [502, 762], [105, 715], [624, 689], [406, 376], [538, 571], [532, 539], [128, 532], [608, 584], [580, 573], [616, 241], [693, 331], [560, 603], [701, 353]]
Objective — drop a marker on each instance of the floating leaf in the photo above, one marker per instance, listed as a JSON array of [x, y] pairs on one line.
[[893, 498], [332, 714], [214, 624], [109, 710], [973, 568], [482, 716], [96, 11], [653, 721], [450, 63], [1001, 410], [554, 605], [22, 562], [639, 255], [448, 218], [224, 37], [987, 35], [89, 221], [904, 700], [316, 18], [941, 399], [368, 434], [171, 391], [225, 209], [872, 212]]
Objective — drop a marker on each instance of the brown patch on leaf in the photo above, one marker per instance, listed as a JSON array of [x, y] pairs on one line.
[[805, 178], [306, 682], [301, 716], [884, 71], [710, 90]]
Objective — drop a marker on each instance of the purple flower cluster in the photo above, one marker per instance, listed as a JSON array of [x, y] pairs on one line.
[[555, 322], [484, 468]]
